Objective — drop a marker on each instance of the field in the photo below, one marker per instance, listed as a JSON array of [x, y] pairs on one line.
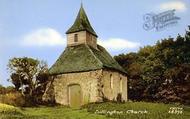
[[129, 110]]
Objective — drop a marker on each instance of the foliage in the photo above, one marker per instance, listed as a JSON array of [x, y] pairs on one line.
[[14, 98], [28, 76], [160, 72], [5, 90], [9, 95]]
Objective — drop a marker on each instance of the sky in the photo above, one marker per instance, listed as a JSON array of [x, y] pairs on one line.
[[36, 28]]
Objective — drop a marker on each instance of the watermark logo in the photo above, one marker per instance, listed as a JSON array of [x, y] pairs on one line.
[[160, 21], [175, 110]]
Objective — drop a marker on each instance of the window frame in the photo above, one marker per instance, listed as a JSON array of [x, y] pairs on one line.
[[121, 85], [111, 81], [75, 37]]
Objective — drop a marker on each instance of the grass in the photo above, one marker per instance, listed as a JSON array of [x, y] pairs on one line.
[[8, 111], [97, 111], [140, 110], [59, 112]]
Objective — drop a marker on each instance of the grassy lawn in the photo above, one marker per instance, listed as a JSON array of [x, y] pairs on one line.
[[141, 110], [58, 112]]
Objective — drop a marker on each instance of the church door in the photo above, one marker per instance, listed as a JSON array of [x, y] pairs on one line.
[[75, 96]]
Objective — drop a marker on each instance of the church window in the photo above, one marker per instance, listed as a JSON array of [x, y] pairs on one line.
[[111, 81], [76, 38], [121, 84]]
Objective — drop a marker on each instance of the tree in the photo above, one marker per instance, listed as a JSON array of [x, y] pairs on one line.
[[28, 75], [160, 72]]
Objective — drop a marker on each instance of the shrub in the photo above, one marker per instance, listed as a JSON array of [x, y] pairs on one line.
[[15, 99]]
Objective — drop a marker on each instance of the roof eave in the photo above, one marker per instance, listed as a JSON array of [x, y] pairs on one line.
[[66, 72]]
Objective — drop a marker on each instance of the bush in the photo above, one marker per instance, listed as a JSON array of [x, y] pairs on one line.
[[15, 99]]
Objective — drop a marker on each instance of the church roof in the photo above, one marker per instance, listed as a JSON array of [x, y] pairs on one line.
[[84, 58], [81, 23]]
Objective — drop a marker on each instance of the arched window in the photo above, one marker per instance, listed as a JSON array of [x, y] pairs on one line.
[[111, 81], [76, 38], [121, 85]]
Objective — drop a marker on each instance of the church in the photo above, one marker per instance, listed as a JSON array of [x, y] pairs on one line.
[[85, 72]]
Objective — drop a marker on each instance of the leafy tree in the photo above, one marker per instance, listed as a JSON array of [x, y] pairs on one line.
[[28, 75], [160, 72]]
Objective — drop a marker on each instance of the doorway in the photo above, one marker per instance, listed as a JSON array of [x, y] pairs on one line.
[[75, 95]]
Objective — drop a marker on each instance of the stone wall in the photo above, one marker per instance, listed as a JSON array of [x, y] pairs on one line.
[[87, 80], [113, 84], [94, 86]]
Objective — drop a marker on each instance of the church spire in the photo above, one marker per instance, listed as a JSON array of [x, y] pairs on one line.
[[81, 23], [81, 4]]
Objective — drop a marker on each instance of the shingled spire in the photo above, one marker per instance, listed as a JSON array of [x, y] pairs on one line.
[[81, 32], [81, 23]]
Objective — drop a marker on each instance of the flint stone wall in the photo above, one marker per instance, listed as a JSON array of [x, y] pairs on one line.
[[95, 85]]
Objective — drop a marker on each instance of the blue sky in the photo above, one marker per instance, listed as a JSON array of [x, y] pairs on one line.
[[36, 28]]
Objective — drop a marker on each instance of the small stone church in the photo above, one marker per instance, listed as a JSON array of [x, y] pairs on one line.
[[85, 72]]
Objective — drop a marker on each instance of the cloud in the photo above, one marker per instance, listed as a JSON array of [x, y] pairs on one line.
[[178, 5], [118, 43], [45, 37], [48, 37]]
